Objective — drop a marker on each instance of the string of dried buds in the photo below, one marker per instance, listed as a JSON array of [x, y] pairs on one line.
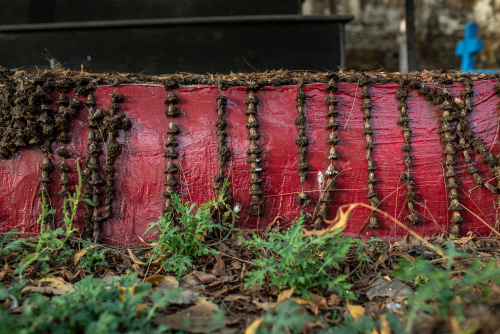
[[90, 175], [466, 139], [171, 169], [66, 112], [223, 151], [112, 122], [368, 132], [448, 136], [302, 142], [254, 151], [406, 177], [332, 140]]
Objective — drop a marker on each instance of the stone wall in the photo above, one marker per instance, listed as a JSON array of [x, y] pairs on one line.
[[372, 38]]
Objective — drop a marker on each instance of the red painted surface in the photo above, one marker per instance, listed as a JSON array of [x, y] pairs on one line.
[[139, 169]]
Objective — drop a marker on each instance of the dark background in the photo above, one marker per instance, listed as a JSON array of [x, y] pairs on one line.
[[157, 39]]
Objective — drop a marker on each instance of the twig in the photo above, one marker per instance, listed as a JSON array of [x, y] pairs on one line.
[[352, 107], [482, 221], [313, 191]]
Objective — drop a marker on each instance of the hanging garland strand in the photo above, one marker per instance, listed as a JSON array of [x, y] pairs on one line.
[[171, 153], [254, 151], [112, 122], [448, 136], [302, 142], [367, 131], [223, 152], [332, 140], [406, 177], [466, 138], [90, 175]]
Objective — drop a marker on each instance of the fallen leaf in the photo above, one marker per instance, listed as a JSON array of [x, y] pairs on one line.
[[274, 225], [168, 282], [219, 266], [134, 258], [82, 252], [4, 270], [284, 295], [335, 224], [314, 303], [252, 329], [157, 278], [235, 264], [355, 310], [204, 277], [46, 290], [139, 307], [56, 282], [207, 303], [394, 289], [197, 319], [334, 300], [384, 325], [232, 298]]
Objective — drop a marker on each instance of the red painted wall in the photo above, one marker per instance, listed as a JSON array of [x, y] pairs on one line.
[[139, 169]]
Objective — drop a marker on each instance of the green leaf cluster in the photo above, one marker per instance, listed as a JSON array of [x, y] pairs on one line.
[[94, 257], [301, 262], [439, 286], [95, 308], [181, 235]]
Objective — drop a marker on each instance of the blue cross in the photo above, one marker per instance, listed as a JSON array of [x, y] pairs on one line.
[[468, 47]]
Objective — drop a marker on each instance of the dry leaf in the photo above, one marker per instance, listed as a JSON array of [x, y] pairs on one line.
[[4, 270], [274, 225], [157, 278], [336, 223], [46, 290], [134, 258], [56, 282], [284, 295], [219, 266], [252, 329], [384, 325], [205, 302], [232, 298], [82, 252], [334, 300], [199, 319], [355, 310], [314, 303], [204, 277], [139, 307]]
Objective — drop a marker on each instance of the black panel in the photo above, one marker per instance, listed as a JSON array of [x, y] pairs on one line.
[[200, 46], [46, 11]]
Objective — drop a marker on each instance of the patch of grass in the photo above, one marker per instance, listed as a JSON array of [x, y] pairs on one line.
[[95, 308], [182, 235], [443, 288], [302, 263]]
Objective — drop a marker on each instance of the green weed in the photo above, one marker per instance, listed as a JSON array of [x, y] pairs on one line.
[[95, 308], [440, 288], [181, 235], [300, 262], [94, 257]]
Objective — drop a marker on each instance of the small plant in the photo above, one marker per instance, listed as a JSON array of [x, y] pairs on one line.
[[64, 255], [12, 246], [180, 243], [300, 262], [49, 240], [438, 291], [364, 249], [94, 256], [286, 319], [95, 307]]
